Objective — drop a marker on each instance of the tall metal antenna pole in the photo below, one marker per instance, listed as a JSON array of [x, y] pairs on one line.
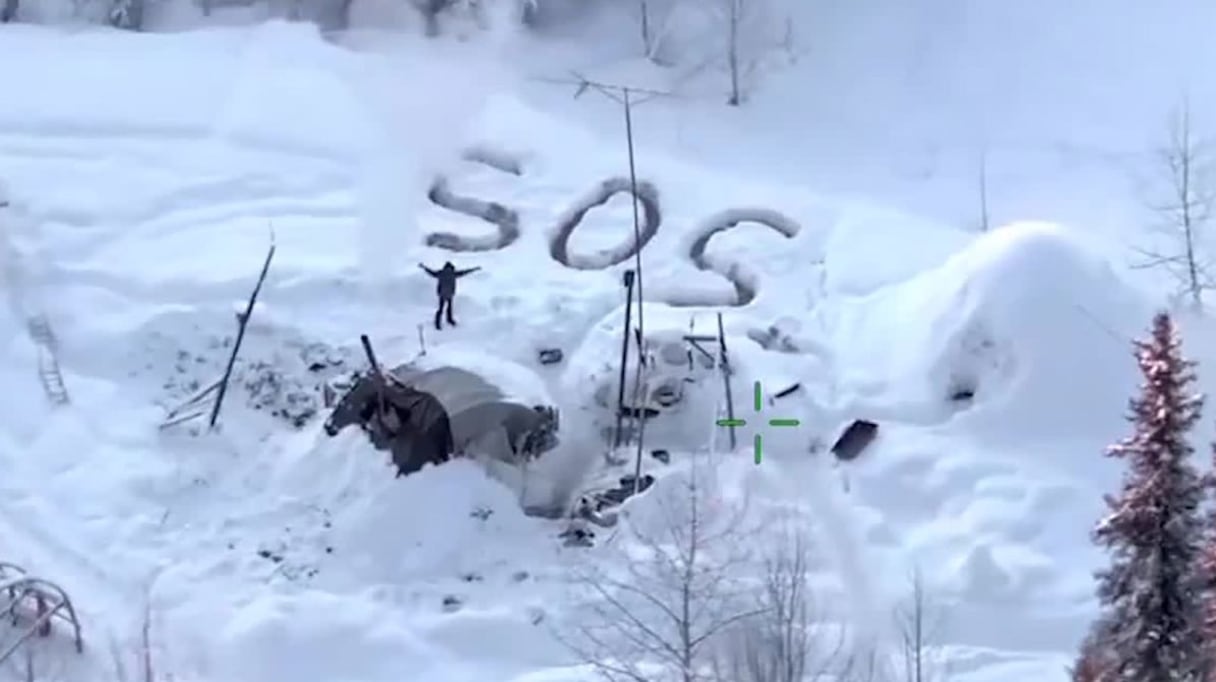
[[627, 104], [637, 264]]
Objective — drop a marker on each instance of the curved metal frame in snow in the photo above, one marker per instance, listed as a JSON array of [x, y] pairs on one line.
[[26, 594]]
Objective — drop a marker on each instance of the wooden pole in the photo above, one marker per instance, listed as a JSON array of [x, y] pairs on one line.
[[724, 365], [620, 394], [242, 324]]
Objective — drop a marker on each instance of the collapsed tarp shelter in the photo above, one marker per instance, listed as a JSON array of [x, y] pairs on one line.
[[433, 413]]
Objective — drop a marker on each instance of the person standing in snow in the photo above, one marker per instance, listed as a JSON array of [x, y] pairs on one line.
[[445, 288]]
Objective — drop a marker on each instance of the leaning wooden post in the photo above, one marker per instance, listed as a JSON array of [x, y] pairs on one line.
[[620, 394], [242, 324], [726, 371]]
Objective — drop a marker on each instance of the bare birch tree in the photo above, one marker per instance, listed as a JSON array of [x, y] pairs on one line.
[[656, 613], [920, 623], [658, 20], [752, 33], [784, 641], [644, 25], [1186, 209]]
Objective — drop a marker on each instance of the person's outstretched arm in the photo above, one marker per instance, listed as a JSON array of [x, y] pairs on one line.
[[462, 273], [432, 273]]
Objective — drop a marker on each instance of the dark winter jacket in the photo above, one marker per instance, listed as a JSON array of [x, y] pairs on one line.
[[447, 276]]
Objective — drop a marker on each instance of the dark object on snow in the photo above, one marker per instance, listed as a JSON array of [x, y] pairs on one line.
[[639, 413], [550, 356], [577, 535], [612, 497], [669, 393], [596, 507], [855, 439], [626, 489], [617, 433], [426, 416], [445, 289], [410, 423], [546, 511], [962, 395], [789, 390], [661, 455], [586, 512]]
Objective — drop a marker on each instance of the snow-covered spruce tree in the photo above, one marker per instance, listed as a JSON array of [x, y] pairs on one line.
[[1149, 630], [1207, 572], [1090, 663]]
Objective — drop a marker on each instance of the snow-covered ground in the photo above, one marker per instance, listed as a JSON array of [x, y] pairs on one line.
[[146, 175]]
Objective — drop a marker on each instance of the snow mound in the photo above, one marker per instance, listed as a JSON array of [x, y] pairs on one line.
[[387, 537], [269, 640], [1020, 330]]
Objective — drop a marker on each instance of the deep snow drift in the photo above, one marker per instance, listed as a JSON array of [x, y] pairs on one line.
[[997, 366]]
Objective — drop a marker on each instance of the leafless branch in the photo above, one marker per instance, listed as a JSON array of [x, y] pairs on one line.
[[1186, 208], [747, 42], [671, 597], [781, 641], [920, 625]]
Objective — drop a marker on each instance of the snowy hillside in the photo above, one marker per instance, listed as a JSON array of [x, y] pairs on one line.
[[146, 175]]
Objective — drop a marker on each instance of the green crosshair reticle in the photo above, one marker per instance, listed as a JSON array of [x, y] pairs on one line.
[[757, 403]]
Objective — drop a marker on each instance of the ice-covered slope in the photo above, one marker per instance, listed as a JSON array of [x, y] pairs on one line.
[[267, 551]]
